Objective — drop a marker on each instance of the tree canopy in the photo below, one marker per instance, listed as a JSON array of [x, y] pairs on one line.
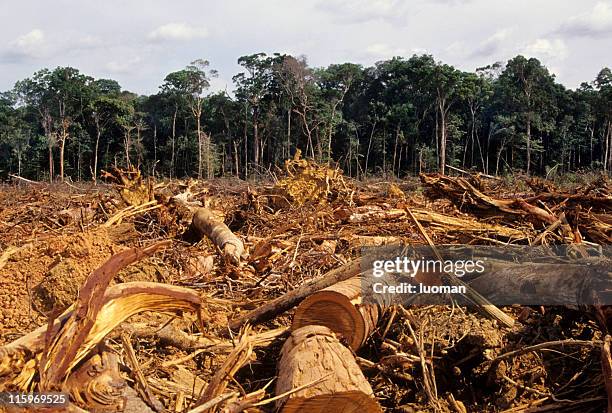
[[399, 117]]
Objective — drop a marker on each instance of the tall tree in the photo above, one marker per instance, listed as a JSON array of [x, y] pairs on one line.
[[193, 82], [335, 82], [252, 90], [447, 83], [603, 84], [526, 84]]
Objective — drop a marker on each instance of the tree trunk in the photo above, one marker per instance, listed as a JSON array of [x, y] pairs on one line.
[[397, 131], [95, 168], [236, 159], [498, 157], [471, 139], [256, 153], [442, 138], [61, 160], [340, 308], [50, 147], [571, 284], [609, 146], [369, 147], [314, 353], [246, 144], [528, 142], [172, 160], [154, 144], [591, 142], [127, 144], [197, 114], [288, 133], [606, 145], [208, 149]]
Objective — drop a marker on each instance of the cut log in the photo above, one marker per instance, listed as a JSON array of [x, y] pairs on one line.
[[207, 224], [340, 308], [326, 374]]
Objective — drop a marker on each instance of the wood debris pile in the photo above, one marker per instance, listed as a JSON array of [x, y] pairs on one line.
[[214, 296]]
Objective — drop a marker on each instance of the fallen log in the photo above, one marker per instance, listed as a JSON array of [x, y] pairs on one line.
[[207, 224], [294, 297], [546, 283], [470, 228], [313, 355], [340, 307]]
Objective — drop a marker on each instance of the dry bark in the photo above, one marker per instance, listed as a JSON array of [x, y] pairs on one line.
[[329, 379]]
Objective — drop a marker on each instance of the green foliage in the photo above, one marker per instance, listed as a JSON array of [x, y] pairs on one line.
[[399, 117]]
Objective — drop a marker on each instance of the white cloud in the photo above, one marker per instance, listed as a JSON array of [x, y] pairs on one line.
[[32, 39], [361, 11], [493, 44], [383, 50], [554, 49], [123, 66], [177, 31], [595, 23], [29, 45]]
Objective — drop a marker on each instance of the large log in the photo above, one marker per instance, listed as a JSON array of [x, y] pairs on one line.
[[580, 283], [207, 224], [584, 284], [326, 374], [341, 308]]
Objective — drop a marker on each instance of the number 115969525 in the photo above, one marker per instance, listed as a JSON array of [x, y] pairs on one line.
[[43, 399]]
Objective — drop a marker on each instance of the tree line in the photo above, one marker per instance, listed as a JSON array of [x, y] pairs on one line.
[[399, 117]]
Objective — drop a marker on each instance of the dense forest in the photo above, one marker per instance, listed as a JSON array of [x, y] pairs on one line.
[[399, 117]]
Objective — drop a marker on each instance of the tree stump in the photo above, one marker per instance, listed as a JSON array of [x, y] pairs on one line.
[[314, 359]]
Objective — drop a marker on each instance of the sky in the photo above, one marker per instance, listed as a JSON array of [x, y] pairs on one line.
[[138, 42]]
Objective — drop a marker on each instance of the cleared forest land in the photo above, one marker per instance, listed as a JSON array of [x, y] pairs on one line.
[[191, 295]]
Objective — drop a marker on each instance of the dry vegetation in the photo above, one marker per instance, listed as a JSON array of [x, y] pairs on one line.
[[179, 296]]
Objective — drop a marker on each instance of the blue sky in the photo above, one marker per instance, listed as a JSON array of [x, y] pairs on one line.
[[139, 42]]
